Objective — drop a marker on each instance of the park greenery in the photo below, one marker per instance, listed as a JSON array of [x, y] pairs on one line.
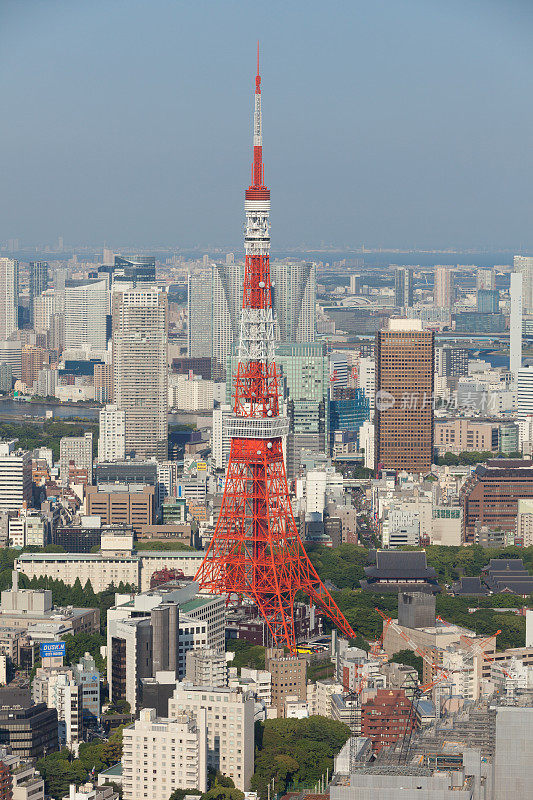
[[59, 769], [32, 435], [344, 567], [469, 458], [295, 752]]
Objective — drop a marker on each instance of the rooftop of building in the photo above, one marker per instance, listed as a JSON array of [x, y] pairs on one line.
[[142, 554]]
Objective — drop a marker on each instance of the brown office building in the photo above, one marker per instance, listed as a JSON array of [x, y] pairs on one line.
[[491, 495], [404, 394], [135, 509], [289, 677]]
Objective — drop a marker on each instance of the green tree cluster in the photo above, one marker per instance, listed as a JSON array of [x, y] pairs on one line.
[[246, 654], [78, 595], [48, 434], [295, 752], [343, 565], [60, 769], [410, 659]]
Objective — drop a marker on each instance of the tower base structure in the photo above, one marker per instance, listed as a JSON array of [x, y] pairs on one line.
[[256, 551]]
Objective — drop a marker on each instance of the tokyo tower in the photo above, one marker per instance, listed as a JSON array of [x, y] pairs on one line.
[[256, 551]]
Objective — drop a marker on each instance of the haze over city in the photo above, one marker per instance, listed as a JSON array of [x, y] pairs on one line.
[[395, 124], [266, 460]]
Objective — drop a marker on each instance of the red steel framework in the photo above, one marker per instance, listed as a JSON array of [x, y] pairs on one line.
[[256, 551]]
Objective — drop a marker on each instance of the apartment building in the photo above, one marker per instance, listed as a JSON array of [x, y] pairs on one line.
[[77, 450], [206, 667], [161, 755], [229, 715]]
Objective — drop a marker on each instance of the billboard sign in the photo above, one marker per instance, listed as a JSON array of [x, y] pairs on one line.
[[52, 649]]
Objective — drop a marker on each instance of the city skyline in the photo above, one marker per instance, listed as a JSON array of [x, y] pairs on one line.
[[389, 155]]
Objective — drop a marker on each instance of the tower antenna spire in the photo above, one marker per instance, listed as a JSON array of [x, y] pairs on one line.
[[256, 550]]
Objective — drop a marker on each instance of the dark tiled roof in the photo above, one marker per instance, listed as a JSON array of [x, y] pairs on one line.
[[469, 586], [515, 585], [501, 564], [400, 564]]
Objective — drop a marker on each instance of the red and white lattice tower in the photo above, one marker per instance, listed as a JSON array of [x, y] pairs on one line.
[[256, 551]]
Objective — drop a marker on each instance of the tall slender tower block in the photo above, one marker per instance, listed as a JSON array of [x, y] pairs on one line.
[[256, 550]]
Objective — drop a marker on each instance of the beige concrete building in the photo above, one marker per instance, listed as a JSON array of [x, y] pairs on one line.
[[319, 696], [206, 667], [462, 435], [524, 522], [161, 755], [79, 451], [102, 568], [288, 677], [229, 715]]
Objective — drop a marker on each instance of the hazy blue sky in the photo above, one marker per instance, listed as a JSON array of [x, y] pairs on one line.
[[389, 122]]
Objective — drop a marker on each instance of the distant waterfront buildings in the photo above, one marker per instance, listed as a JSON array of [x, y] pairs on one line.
[[403, 287], [524, 265], [443, 289], [9, 297]]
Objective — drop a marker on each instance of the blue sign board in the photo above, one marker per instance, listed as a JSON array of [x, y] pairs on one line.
[[51, 649]]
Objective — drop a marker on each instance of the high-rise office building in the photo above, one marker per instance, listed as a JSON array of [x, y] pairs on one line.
[[9, 297], [135, 271], [403, 287], [515, 323], [294, 301], [488, 301], [86, 312], [33, 359], [524, 265], [140, 370], [304, 367], [443, 287], [404, 397], [38, 280], [200, 313]]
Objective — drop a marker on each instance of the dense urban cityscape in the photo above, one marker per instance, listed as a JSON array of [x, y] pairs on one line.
[[266, 517]]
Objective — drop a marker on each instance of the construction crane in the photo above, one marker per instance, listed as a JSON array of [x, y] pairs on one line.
[[478, 648], [438, 675]]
